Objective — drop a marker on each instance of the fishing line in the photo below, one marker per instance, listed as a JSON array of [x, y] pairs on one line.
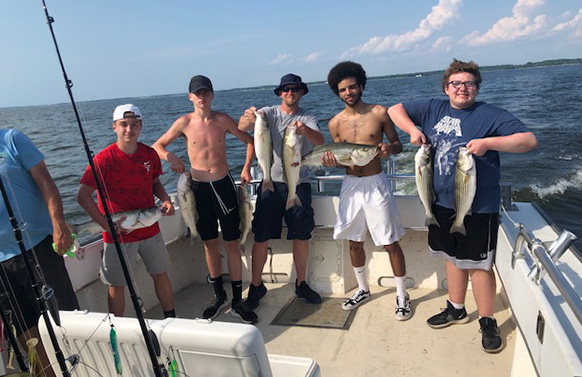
[[159, 369]]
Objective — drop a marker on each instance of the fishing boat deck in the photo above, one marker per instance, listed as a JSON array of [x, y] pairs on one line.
[[376, 344]]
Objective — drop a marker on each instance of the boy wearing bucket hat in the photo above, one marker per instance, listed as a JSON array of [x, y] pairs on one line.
[[270, 207]]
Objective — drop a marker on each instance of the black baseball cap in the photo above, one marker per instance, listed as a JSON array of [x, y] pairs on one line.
[[200, 82]]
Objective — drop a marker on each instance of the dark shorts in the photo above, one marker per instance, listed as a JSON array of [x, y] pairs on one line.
[[15, 278], [217, 201], [476, 250], [270, 210]]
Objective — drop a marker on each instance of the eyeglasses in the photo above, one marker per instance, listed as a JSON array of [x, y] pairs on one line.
[[294, 89], [468, 84]]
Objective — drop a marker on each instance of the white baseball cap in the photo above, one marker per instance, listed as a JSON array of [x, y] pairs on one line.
[[120, 111]]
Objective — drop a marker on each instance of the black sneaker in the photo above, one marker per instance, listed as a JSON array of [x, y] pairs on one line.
[[491, 341], [449, 316], [213, 310], [303, 291], [255, 295], [241, 311]]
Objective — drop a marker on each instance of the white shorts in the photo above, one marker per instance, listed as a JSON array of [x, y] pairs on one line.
[[366, 203]]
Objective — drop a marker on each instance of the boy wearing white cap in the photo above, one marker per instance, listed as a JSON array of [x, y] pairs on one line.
[[129, 171]]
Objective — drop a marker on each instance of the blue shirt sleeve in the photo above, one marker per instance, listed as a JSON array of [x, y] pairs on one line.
[[25, 150]]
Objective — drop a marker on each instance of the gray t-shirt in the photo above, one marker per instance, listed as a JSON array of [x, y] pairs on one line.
[[278, 122]]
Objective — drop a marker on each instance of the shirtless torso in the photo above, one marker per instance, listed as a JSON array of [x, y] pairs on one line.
[[365, 124], [205, 133]]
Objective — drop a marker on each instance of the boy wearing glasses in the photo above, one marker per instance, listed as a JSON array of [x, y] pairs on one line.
[[485, 130], [270, 207], [205, 132]]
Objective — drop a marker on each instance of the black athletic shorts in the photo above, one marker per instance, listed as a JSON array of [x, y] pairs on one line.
[[217, 201], [475, 250], [270, 210], [16, 280]]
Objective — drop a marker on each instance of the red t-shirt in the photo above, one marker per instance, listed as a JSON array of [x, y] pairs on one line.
[[128, 182]]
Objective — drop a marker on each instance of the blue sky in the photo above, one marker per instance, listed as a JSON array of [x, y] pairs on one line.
[[114, 49]]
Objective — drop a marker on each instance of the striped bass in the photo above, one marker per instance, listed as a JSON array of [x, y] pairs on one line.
[[134, 219], [264, 149], [245, 209], [465, 188], [291, 159], [347, 154], [187, 203], [423, 172]]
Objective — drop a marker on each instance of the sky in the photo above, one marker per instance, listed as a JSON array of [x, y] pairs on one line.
[[114, 49]]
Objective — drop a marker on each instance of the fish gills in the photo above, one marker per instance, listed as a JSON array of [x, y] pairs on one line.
[[424, 173], [465, 188], [291, 158], [264, 149], [245, 211], [187, 203]]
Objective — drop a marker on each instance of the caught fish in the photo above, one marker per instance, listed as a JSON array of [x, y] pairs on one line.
[[264, 149], [423, 171], [291, 158], [465, 188], [134, 219], [187, 203], [347, 154], [245, 209]]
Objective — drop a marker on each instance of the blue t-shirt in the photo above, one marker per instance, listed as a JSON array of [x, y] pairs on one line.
[[448, 129], [18, 155]]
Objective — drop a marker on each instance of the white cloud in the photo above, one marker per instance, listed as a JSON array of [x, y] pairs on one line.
[[442, 44], [575, 24], [440, 15], [517, 26], [281, 58], [314, 56]]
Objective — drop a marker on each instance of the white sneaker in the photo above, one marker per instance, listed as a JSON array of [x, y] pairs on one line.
[[403, 311], [354, 301]]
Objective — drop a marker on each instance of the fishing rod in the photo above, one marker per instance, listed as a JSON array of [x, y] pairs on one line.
[[40, 300], [148, 336]]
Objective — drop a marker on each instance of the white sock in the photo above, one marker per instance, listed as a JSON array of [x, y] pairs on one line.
[[457, 306], [361, 278], [400, 285]]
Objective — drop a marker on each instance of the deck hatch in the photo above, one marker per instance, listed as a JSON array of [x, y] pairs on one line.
[[328, 314]]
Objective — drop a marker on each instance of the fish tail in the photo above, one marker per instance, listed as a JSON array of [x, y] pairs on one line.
[[431, 220], [293, 201], [458, 228], [268, 185]]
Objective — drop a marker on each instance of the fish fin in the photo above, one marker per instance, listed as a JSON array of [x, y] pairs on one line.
[[268, 185], [293, 201]]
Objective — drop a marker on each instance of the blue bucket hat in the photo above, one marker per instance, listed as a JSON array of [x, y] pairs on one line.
[[291, 79]]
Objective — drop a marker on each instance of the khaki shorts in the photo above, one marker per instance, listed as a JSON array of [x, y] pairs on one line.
[[152, 250]]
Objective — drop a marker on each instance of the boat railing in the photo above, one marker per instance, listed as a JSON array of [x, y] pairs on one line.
[[545, 263]]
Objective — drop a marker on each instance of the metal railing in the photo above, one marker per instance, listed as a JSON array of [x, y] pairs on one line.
[[545, 263]]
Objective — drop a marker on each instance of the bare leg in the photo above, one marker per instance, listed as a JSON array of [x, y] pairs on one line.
[[396, 259], [213, 257], [42, 356], [164, 291], [116, 300], [234, 260], [259, 259], [484, 288], [357, 254], [300, 250], [458, 281]]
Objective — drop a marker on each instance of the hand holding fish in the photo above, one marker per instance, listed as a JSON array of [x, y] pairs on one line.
[[250, 114], [384, 150], [328, 159], [245, 177], [417, 137], [299, 127], [176, 164], [478, 147], [168, 208]]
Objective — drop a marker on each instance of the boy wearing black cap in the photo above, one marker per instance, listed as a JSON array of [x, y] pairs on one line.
[[214, 189], [270, 207]]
